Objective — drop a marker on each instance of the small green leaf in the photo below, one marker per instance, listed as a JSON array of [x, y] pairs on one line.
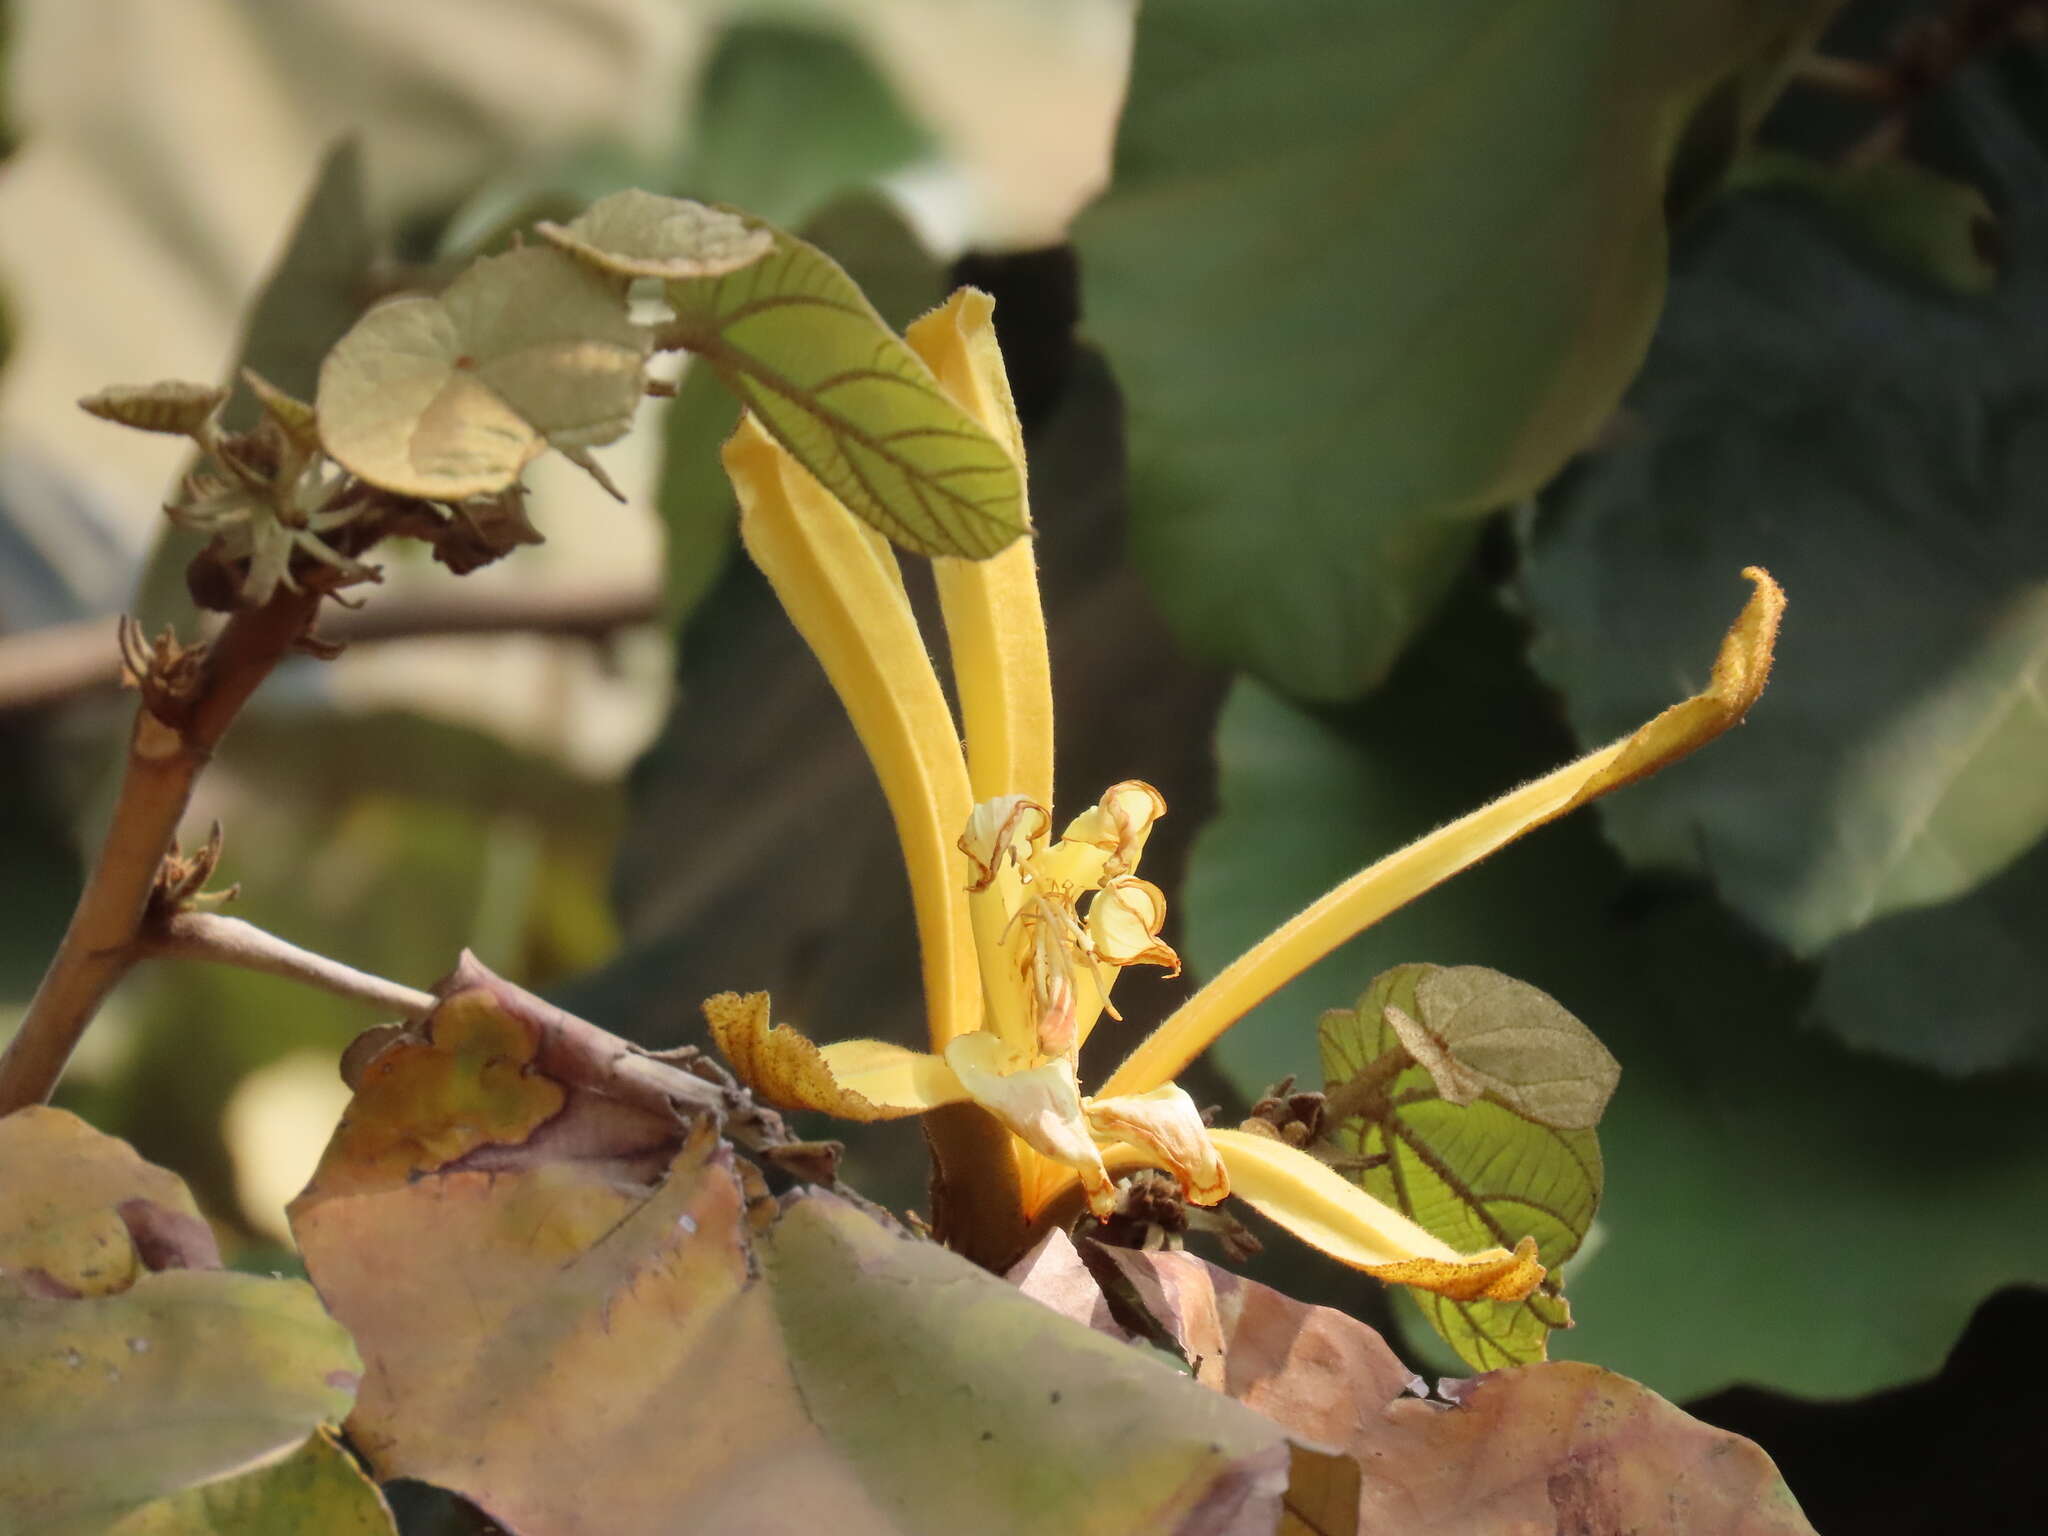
[[173, 407], [641, 234], [798, 342], [451, 397], [1478, 1175], [1478, 1032]]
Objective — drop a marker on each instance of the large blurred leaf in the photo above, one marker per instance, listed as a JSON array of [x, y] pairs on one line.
[[1777, 1208], [1962, 987], [585, 1315], [143, 1391], [1478, 1175], [1881, 448], [1555, 1447], [1371, 270], [790, 118]]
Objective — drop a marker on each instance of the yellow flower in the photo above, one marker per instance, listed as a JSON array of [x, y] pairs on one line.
[[1022, 934]]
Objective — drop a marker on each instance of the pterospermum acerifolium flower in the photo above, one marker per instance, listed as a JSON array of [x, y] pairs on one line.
[[1025, 922]]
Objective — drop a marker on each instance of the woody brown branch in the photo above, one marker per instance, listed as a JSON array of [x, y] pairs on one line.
[[175, 732]]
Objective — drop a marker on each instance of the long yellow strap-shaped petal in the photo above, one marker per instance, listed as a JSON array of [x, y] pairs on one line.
[[1326, 1210], [840, 584], [995, 631], [995, 625], [1739, 675]]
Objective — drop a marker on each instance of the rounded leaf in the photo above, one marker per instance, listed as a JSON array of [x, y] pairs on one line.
[[451, 397]]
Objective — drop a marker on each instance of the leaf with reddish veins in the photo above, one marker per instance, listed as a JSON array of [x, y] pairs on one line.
[[578, 1337], [1564, 1446]]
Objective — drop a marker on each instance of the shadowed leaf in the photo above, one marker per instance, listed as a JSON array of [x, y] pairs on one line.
[[1317, 277], [1880, 446]]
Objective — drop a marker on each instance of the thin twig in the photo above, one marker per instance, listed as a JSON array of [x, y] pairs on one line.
[[230, 941], [62, 661], [174, 735]]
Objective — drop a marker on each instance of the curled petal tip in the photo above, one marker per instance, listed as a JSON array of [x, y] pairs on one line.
[[1495, 1275], [786, 1069]]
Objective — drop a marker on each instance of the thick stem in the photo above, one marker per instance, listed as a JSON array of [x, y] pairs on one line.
[[230, 941], [166, 752]]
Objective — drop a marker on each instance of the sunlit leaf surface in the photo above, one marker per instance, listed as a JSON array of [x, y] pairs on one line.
[[796, 340], [452, 396]]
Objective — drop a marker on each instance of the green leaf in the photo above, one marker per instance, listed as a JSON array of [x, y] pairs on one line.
[[1371, 271], [1957, 987], [696, 502], [452, 396], [797, 341], [1479, 1174], [641, 234], [1878, 447], [1778, 1208]]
